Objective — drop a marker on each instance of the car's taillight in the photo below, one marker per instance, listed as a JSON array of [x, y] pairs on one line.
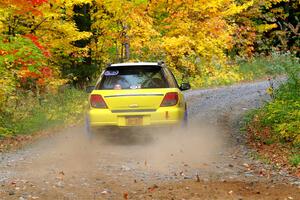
[[170, 99], [97, 101]]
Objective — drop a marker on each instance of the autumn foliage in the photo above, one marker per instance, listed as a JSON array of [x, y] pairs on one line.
[[25, 6], [46, 43], [35, 41], [195, 38]]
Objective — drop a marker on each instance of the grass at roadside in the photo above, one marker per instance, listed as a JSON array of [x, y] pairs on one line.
[[274, 129], [241, 70], [29, 114], [261, 66]]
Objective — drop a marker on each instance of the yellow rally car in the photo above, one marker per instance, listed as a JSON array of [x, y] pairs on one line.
[[136, 94]]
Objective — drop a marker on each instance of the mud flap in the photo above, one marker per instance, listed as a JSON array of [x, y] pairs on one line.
[[88, 129], [184, 123]]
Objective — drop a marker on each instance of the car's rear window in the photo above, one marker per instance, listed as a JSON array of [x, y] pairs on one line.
[[133, 77]]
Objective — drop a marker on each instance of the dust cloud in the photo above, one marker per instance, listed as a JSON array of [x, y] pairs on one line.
[[155, 150]]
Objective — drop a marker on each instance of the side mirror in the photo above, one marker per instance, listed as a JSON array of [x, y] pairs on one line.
[[89, 89], [185, 86]]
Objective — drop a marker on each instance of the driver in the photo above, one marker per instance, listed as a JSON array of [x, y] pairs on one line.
[[117, 87]]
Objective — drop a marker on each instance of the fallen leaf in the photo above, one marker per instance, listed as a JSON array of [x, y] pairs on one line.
[[104, 192], [246, 165], [125, 195], [152, 188], [198, 178]]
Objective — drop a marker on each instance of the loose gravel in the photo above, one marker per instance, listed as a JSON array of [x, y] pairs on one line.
[[68, 165]]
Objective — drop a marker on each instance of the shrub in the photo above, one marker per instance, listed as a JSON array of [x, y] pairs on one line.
[[272, 65], [282, 114], [295, 160], [29, 114]]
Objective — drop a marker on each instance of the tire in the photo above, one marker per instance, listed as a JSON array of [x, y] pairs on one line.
[[89, 133], [185, 118]]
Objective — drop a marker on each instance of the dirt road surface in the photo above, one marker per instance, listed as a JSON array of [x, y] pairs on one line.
[[208, 160]]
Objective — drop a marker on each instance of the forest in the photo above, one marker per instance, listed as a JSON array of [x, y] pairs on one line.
[[50, 50]]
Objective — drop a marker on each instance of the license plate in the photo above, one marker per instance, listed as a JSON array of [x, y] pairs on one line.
[[134, 121]]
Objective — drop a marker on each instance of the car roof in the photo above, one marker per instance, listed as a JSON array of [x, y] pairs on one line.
[[160, 64]]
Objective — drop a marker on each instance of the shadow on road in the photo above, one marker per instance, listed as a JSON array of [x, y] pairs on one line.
[[133, 136]]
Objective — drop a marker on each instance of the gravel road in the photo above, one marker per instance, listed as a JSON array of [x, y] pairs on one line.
[[208, 160]]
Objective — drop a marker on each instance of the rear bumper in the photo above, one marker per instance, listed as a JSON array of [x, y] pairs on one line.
[[160, 117]]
